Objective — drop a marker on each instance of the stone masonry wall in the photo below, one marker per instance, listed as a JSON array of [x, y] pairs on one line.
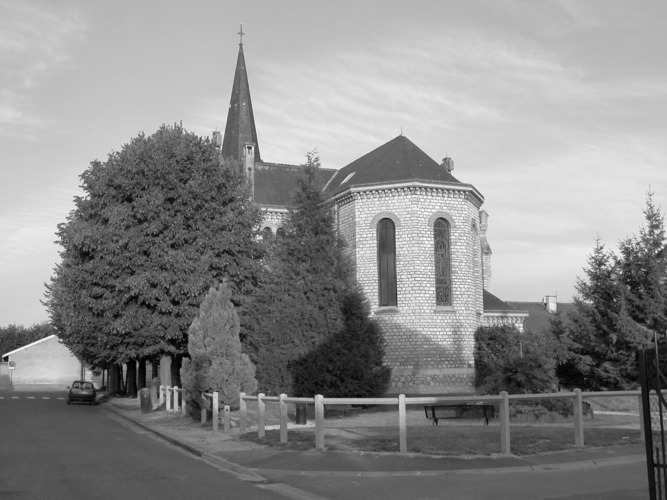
[[429, 348]]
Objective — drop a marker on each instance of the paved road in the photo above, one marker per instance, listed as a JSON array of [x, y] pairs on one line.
[[49, 450]]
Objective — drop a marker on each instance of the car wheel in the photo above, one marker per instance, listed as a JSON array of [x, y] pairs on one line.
[[68, 401]]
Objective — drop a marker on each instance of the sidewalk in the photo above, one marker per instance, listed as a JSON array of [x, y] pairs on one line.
[[250, 459]]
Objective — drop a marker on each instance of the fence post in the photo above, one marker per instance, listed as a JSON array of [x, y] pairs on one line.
[[504, 423], [167, 390], [160, 396], [176, 398], [243, 413], [184, 410], [203, 408], [283, 418], [226, 419], [319, 422], [261, 406], [642, 437], [402, 422], [577, 401], [216, 411]]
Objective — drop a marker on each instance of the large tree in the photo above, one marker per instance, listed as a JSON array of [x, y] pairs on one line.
[[620, 308], [161, 221], [643, 271], [298, 306]]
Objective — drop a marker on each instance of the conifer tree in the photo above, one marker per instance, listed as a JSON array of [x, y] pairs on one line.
[[643, 271], [216, 362], [308, 304], [298, 305]]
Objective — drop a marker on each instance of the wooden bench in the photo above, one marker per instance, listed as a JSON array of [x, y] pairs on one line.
[[340, 410], [459, 411]]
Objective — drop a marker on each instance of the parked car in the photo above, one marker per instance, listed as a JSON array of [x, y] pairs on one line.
[[83, 391]]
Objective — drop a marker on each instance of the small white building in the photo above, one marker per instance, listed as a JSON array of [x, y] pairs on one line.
[[46, 364]]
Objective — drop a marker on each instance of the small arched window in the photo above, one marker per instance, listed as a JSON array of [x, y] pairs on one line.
[[386, 241], [267, 235], [280, 233], [443, 262]]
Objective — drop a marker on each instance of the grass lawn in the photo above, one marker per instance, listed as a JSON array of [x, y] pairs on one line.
[[456, 440], [376, 430]]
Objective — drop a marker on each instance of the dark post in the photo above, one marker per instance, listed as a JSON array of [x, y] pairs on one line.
[[301, 413], [141, 374], [131, 379]]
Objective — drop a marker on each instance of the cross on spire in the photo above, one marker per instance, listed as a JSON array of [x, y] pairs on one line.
[[240, 34]]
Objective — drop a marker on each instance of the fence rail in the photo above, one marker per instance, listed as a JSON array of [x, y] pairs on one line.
[[401, 401], [210, 402]]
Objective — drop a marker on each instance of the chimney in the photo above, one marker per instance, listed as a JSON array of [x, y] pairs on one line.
[[448, 163], [217, 139], [551, 303]]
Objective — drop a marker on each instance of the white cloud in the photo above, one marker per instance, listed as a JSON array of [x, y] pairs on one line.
[[34, 41]]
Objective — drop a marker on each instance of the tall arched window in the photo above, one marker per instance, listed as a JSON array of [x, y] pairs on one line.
[[443, 262], [386, 237]]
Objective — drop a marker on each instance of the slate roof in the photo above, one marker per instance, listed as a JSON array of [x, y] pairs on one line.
[[493, 303], [399, 160], [240, 127], [275, 183], [539, 319]]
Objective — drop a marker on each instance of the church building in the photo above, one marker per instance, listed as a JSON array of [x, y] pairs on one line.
[[417, 238]]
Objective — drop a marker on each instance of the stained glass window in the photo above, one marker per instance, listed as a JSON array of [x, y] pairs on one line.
[[443, 262]]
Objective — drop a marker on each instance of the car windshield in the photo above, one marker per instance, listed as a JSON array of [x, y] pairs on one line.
[[76, 385], [88, 386]]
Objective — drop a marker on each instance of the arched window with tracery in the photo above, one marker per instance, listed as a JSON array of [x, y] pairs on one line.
[[386, 239], [442, 250]]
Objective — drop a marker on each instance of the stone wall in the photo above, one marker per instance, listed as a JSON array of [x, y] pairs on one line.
[[429, 348]]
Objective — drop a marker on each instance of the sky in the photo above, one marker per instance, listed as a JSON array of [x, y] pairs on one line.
[[556, 111]]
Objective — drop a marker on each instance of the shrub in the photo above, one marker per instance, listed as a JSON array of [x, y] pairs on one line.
[[216, 362], [349, 364]]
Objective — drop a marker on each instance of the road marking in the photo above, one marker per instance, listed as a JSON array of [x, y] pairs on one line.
[[15, 397], [31, 397], [46, 397]]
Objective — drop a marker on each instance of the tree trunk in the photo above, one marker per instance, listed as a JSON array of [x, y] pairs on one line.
[[176, 362], [112, 379], [119, 378], [131, 379], [141, 382], [155, 369]]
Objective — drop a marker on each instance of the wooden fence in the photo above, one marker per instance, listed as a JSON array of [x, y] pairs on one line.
[[210, 402], [401, 402]]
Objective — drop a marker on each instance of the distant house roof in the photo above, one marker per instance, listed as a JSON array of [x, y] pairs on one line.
[[493, 303], [539, 319], [399, 160], [27, 346], [275, 183]]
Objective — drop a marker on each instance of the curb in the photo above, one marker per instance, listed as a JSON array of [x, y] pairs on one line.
[[220, 463], [252, 475]]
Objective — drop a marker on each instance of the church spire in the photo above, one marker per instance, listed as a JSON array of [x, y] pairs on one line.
[[240, 127]]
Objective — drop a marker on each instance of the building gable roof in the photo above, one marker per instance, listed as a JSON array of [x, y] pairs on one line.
[[493, 303], [397, 161], [539, 319], [275, 183], [27, 346]]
